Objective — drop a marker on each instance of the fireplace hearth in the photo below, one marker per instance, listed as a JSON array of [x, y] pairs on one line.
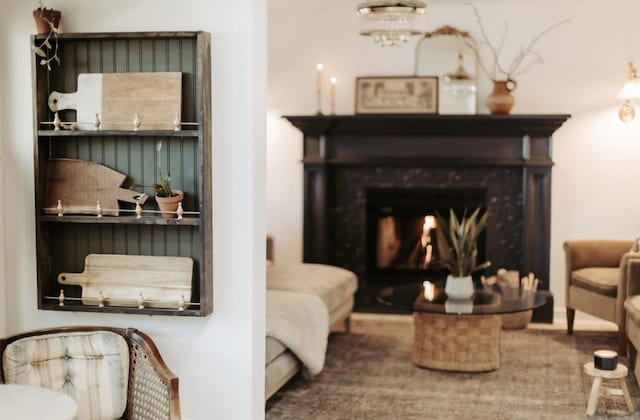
[[367, 176]]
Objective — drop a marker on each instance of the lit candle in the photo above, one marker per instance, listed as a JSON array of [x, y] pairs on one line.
[[319, 68], [429, 290]]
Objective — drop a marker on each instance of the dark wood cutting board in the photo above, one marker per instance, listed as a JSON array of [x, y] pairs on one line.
[[79, 184]]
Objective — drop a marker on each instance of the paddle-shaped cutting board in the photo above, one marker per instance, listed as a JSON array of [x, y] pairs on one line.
[[162, 281], [117, 97], [79, 184]]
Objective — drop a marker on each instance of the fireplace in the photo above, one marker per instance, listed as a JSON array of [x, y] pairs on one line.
[[403, 235], [368, 174]]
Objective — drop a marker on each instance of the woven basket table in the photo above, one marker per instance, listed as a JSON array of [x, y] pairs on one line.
[[515, 321], [456, 342]]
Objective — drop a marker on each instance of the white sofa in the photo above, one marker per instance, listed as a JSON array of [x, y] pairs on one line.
[[300, 286]]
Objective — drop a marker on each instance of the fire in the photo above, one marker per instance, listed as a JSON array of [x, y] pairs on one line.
[[425, 240]]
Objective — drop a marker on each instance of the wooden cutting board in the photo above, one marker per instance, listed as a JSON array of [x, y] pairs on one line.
[[163, 281], [78, 184], [117, 97]]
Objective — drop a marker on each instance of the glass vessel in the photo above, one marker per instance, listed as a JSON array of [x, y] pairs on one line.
[[458, 91]]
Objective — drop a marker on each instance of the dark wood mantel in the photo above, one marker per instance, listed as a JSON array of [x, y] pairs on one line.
[[519, 144], [448, 125]]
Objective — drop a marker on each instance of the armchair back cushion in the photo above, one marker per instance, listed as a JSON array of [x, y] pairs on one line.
[[90, 367], [595, 253]]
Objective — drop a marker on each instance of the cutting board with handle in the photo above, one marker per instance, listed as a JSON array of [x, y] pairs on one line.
[[163, 281], [79, 184], [117, 97]]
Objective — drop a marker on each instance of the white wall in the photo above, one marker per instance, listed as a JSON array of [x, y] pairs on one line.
[[219, 359], [3, 291], [585, 65]]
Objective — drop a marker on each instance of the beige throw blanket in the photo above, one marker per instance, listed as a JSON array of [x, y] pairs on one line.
[[301, 322]]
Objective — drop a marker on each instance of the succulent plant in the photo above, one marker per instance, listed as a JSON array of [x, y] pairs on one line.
[[462, 238]]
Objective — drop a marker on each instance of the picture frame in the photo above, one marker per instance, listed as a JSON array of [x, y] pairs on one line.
[[397, 95]]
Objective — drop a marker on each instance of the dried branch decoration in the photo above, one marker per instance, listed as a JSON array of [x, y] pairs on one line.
[[526, 58], [43, 13]]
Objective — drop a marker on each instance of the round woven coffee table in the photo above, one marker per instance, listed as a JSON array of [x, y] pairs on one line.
[[458, 335]]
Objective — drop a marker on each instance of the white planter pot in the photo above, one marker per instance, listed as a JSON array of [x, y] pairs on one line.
[[459, 287]]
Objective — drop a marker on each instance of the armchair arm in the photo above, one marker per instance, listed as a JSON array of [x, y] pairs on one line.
[[632, 265], [153, 388], [629, 283], [595, 253]]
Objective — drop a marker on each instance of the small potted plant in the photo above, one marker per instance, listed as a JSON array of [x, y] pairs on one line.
[[462, 236], [167, 198], [47, 22]]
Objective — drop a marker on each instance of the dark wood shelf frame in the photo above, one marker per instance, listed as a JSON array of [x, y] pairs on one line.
[[119, 133], [79, 307], [63, 242], [116, 220]]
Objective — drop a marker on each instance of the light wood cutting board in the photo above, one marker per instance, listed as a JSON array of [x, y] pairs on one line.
[[117, 97], [163, 281], [78, 184]]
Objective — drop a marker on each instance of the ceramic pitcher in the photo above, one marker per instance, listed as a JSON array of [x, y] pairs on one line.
[[500, 101]]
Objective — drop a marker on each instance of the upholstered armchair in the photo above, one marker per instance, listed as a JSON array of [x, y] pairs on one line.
[[597, 276], [632, 309], [111, 373]]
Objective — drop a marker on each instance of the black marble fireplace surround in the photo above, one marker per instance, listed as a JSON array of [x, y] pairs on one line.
[[508, 156]]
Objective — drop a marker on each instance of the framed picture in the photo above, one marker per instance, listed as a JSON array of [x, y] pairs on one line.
[[397, 95]]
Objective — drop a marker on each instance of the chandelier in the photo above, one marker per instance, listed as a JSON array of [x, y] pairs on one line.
[[391, 22]]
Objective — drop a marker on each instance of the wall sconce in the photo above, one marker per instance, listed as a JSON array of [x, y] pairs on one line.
[[630, 91]]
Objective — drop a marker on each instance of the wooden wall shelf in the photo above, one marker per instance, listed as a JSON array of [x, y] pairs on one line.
[[64, 242]]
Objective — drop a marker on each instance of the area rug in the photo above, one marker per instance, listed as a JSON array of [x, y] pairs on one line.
[[369, 375]]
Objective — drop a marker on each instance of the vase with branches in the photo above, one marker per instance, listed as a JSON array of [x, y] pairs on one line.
[[501, 72]]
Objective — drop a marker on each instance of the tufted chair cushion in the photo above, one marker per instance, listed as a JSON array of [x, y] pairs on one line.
[[90, 367]]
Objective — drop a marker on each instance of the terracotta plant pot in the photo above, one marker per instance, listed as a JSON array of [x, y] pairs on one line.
[[501, 100], [169, 205], [54, 16]]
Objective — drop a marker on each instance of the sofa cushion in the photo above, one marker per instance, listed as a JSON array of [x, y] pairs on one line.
[[92, 368], [603, 280], [332, 284], [274, 349]]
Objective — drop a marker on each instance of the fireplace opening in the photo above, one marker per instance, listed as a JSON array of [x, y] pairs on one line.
[[403, 233]]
